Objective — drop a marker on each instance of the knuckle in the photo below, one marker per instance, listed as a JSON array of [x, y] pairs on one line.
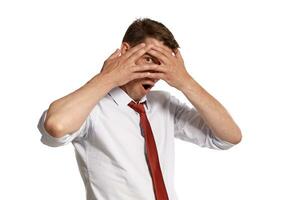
[[140, 53], [146, 74], [132, 69]]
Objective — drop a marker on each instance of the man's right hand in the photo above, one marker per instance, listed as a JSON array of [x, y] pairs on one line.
[[64, 116], [123, 68]]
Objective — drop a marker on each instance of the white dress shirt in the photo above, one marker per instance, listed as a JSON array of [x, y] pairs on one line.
[[109, 146]]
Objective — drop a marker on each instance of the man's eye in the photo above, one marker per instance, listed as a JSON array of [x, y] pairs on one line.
[[148, 59]]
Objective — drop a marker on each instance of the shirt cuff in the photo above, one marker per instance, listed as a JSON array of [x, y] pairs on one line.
[[221, 144]]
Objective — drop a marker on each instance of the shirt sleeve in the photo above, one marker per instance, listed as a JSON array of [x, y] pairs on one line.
[[51, 141], [190, 126]]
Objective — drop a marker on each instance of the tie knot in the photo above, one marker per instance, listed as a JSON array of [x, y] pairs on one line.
[[138, 107]]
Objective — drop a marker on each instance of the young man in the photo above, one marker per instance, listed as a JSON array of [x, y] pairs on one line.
[[123, 132]]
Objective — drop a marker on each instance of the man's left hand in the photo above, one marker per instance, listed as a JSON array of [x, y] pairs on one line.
[[173, 70]]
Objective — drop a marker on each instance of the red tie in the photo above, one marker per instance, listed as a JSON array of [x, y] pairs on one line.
[[151, 154]]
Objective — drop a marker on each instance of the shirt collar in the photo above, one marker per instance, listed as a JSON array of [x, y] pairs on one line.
[[121, 98]]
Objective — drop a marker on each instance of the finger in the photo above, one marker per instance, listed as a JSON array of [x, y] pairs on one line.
[[134, 57], [139, 75], [159, 55], [156, 75], [163, 51], [148, 67], [178, 54], [134, 49], [114, 55], [166, 48]]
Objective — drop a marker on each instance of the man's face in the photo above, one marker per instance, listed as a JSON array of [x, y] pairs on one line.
[[137, 88]]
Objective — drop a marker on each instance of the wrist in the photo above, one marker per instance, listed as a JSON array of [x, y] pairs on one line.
[[187, 83], [105, 80]]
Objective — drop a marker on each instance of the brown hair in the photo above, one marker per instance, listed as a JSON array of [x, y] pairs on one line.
[[140, 29]]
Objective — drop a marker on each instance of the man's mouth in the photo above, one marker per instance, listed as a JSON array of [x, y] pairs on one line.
[[147, 86]]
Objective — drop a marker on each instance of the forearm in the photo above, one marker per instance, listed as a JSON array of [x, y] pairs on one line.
[[66, 115], [212, 112]]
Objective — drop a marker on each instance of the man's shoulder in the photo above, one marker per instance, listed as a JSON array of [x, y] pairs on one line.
[[164, 97], [158, 93], [159, 96]]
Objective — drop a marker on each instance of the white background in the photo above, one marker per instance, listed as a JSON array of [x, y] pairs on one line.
[[245, 53]]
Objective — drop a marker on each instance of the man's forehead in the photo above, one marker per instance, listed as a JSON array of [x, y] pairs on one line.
[[153, 41]]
